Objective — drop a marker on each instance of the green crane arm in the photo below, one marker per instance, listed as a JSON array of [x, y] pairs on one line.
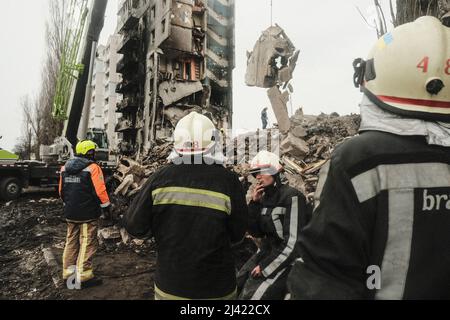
[[78, 45]]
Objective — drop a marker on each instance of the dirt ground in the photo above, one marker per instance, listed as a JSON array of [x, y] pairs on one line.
[[33, 225]]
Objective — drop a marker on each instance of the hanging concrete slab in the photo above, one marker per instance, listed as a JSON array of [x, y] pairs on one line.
[[173, 91], [279, 105]]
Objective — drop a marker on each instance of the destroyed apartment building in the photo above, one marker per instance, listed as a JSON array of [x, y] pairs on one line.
[[178, 56]]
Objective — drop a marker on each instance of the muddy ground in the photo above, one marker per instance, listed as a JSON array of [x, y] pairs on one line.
[[33, 225]]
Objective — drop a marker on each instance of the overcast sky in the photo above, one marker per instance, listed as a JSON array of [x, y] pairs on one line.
[[329, 33]]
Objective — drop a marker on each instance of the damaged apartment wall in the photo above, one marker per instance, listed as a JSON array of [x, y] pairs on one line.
[[178, 57]]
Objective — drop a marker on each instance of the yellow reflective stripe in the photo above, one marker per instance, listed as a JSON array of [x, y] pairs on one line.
[[192, 191], [193, 198], [80, 268], [66, 272], [87, 275], [192, 203], [160, 295]]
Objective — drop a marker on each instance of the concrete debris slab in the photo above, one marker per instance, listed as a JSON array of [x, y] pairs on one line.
[[271, 53], [271, 65], [299, 132], [51, 200], [173, 91], [285, 74], [128, 166], [279, 104], [295, 147], [110, 233], [125, 185], [138, 242], [126, 238]]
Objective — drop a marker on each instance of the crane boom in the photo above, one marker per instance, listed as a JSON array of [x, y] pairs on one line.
[[80, 45]]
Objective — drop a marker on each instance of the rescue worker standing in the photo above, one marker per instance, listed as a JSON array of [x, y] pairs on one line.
[[195, 209], [264, 118], [82, 188], [277, 214], [380, 229]]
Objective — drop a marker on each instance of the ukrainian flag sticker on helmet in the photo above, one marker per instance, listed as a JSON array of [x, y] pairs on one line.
[[386, 40]]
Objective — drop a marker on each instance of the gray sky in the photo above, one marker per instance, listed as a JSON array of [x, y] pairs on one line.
[[329, 33]]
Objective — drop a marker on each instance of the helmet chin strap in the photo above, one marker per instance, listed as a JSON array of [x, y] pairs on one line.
[[276, 184]]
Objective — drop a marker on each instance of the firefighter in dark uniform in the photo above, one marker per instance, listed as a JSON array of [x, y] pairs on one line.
[[82, 188], [380, 229], [195, 209], [277, 214]]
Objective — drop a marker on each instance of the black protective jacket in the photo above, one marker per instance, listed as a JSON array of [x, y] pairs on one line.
[[82, 188], [278, 219], [381, 225], [195, 213]]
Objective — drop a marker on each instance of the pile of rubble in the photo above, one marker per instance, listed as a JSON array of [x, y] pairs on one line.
[[133, 174], [309, 145], [26, 230]]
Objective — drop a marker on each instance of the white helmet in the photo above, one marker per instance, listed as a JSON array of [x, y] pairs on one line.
[[195, 134], [265, 163], [408, 71]]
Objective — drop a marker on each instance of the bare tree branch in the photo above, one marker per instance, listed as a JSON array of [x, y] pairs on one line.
[[364, 18]]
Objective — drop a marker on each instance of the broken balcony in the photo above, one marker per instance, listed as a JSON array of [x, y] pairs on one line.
[[130, 14], [126, 86], [129, 42], [128, 104], [124, 126], [128, 64]]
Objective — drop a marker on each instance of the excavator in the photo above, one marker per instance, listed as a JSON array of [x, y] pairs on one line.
[[84, 22]]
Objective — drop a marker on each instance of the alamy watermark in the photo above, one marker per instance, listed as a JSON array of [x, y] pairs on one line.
[[374, 279], [74, 281]]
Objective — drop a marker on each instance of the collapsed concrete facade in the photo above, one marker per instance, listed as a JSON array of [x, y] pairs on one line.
[[271, 65], [178, 56]]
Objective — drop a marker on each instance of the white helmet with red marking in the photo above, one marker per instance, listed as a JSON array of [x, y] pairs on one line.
[[408, 71], [195, 134], [265, 163]]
